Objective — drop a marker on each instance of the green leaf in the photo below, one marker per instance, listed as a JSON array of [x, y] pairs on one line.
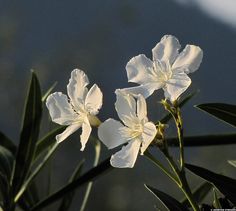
[[199, 194], [224, 112], [168, 201], [216, 202], [66, 201], [232, 162], [47, 141], [29, 133], [205, 140], [91, 175], [225, 185], [97, 149], [6, 165], [48, 92], [33, 174], [7, 143], [6, 162], [168, 116]]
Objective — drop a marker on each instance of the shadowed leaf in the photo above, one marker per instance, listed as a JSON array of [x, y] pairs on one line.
[[91, 175], [205, 140], [48, 92], [47, 141], [224, 112], [199, 194], [66, 201], [29, 133], [7, 143], [168, 201], [225, 185]]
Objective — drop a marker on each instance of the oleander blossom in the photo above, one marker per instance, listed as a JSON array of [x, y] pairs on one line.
[[79, 110], [168, 70], [136, 131]]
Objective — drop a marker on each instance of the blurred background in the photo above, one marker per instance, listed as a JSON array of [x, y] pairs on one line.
[[54, 37]]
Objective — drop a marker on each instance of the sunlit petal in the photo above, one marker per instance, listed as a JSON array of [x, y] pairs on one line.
[[167, 49], [141, 107], [76, 87], [148, 135], [60, 110], [86, 131], [93, 101], [67, 132], [125, 105], [190, 59], [145, 90], [176, 85], [109, 132], [127, 156], [137, 69]]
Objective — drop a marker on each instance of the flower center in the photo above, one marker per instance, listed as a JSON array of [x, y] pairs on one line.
[[132, 132], [162, 71]]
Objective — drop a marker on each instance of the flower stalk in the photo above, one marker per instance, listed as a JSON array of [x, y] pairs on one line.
[[179, 171]]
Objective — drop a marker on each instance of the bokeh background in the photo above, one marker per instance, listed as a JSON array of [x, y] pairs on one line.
[[54, 37]]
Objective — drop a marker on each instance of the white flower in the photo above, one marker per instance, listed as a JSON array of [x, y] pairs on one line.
[[136, 130], [168, 70], [77, 111]]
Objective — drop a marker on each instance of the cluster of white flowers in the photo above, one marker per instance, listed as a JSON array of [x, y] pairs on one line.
[[168, 71]]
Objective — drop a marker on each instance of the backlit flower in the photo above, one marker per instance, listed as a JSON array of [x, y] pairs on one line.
[[168, 70], [136, 131], [79, 110]]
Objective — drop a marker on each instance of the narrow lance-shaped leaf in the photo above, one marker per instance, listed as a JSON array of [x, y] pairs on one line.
[[199, 194], [225, 185], [6, 164], [66, 201], [205, 140], [168, 201], [47, 141], [91, 175], [48, 92], [7, 143], [97, 149], [232, 162], [224, 112], [29, 133], [33, 174], [216, 202]]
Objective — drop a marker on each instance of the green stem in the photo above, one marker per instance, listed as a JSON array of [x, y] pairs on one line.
[[180, 173], [90, 184], [178, 123], [183, 184]]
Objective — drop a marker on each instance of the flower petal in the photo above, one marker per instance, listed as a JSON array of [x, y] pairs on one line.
[[148, 135], [67, 132], [127, 156], [86, 131], [93, 100], [109, 132], [141, 107], [76, 87], [176, 85], [167, 49], [125, 105], [138, 69], [190, 59], [145, 90], [60, 110]]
